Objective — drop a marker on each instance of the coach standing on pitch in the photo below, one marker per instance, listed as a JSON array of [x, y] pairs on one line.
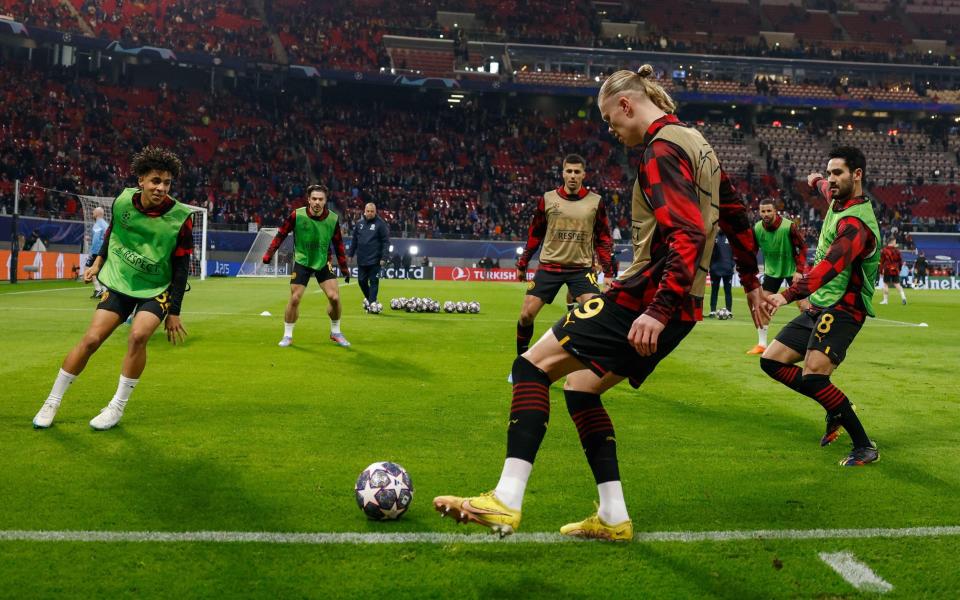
[[371, 246]]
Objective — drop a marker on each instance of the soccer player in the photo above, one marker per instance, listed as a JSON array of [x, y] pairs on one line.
[[570, 223], [840, 290], [143, 264], [314, 228], [97, 234], [647, 311], [920, 270], [371, 246], [890, 264], [784, 256]]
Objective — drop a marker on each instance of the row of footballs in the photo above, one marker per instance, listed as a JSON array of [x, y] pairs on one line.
[[431, 305]]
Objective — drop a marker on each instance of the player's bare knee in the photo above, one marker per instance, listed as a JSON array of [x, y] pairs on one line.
[[334, 299], [91, 342], [817, 363], [138, 338]]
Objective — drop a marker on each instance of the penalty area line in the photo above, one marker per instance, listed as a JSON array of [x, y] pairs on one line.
[[267, 537]]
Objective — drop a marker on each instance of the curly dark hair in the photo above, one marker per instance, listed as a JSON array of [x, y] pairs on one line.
[[153, 158]]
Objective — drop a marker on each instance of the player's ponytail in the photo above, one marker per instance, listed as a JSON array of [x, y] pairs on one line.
[[640, 81]]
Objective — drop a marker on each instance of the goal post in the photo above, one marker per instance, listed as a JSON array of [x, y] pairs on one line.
[[282, 263], [198, 259]]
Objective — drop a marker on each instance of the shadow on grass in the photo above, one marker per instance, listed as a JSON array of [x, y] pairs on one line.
[[167, 489]]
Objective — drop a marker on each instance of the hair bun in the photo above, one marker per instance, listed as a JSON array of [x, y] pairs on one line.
[[645, 71]]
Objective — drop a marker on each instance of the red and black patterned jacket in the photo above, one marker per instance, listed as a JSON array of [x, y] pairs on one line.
[[290, 224], [666, 178], [854, 243]]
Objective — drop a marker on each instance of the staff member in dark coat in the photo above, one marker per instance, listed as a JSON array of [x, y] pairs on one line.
[[721, 269], [371, 246]]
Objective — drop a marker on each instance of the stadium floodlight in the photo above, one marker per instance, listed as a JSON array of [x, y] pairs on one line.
[[391, 248], [519, 250], [414, 250]]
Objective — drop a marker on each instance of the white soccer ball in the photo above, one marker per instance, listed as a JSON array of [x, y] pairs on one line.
[[473, 307], [375, 308], [724, 314], [449, 306], [461, 307], [384, 491]]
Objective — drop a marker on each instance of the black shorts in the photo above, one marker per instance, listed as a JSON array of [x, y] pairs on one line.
[[301, 274], [546, 284], [124, 305], [891, 279], [772, 284], [826, 330], [596, 333]]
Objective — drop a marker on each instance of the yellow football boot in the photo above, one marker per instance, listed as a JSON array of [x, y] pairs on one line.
[[484, 509]]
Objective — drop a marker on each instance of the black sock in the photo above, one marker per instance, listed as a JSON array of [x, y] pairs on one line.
[[851, 422], [596, 434], [529, 411], [524, 335], [788, 375]]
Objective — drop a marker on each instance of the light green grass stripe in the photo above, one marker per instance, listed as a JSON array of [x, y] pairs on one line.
[[454, 538]]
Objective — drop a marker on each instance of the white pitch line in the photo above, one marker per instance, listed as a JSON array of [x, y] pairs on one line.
[[459, 538], [899, 322], [188, 313], [856, 573], [41, 291]]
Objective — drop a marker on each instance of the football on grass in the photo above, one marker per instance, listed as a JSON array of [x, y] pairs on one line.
[[384, 491]]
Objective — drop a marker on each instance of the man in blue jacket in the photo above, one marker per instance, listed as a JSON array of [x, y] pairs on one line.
[[371, 246]]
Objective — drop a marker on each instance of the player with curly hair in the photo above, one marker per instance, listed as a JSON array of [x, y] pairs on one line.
[[143, 264]]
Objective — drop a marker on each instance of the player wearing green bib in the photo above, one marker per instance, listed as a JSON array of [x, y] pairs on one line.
[[840, 290], [784, 256], [315, 227], [143, 263]]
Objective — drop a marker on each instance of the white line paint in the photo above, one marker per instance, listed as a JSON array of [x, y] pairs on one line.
[[461, 538], [892, 322], [856, 573], [394, 314], [42, 291]]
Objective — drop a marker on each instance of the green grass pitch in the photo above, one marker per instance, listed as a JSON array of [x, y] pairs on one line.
[[231, 433]]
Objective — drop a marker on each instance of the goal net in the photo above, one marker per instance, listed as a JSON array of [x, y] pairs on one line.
[[282, 263], [198, 260]]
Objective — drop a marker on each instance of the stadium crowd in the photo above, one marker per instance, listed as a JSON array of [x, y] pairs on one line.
[[466, 173], [348, 35]]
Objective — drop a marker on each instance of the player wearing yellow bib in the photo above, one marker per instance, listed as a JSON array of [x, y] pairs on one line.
[[315, 227], [143, 264]]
